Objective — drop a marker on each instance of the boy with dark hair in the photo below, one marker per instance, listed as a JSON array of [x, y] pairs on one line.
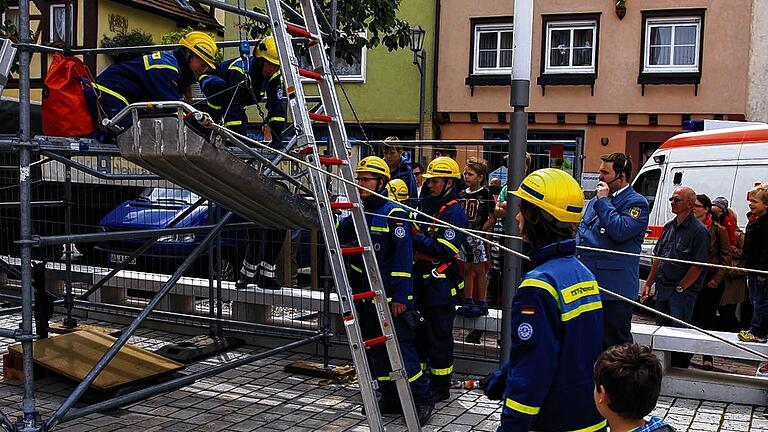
[[627, 385]]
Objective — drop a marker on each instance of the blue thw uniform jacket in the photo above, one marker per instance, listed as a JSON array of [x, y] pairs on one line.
[[436, 270], [393, 243], [618, 224], [152, 77], [557, 333], [224, 95]]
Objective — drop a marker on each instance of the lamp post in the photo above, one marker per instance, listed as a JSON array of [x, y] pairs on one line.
[[420, 60]]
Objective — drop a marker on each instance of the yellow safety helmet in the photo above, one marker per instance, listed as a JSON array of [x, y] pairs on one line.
[[442, 166], [554, 191], [202, 45], [398, 190], [373, 164], [267, 49]]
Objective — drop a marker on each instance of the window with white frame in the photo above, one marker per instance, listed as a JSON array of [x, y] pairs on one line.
[[492, 51], [571, 47], [11, 15], [672, 44], [58, 22], [354, 72]]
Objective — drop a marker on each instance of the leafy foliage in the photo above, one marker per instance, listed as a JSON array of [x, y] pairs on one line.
[[361, 23], [175, 36], [134, 37]]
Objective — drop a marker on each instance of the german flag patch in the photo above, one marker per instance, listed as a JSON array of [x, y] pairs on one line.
[[528, 310]]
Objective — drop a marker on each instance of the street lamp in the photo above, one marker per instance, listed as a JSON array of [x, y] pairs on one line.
[[420, 60]]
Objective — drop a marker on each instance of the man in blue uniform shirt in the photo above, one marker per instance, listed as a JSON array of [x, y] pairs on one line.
[[399, 163], [234, 85], [615, 219], [556, 318], [435, 273], [160, 76], [392, 241]]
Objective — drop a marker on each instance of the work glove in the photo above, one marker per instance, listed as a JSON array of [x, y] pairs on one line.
[[206, 120]]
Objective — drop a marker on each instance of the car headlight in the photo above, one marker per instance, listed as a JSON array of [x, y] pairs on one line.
[[178, 238]]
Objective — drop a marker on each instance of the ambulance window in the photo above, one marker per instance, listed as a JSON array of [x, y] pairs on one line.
[[647, 184]]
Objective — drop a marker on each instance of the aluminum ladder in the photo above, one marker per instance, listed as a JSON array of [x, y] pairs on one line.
[[338, 159]]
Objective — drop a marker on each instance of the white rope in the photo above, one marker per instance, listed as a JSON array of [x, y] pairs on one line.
[[236, 138]]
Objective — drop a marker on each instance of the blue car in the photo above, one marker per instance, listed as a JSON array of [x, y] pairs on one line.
[[155, 208]]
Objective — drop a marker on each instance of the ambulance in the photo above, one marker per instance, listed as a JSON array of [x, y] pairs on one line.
[[720, 161]]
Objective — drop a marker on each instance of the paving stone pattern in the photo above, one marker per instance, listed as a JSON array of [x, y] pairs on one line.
[[261, 397]]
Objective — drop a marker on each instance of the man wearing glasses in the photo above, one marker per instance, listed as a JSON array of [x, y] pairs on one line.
[[678, 284]]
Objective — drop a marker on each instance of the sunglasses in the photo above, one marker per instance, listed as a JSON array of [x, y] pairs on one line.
[[674, 200], [417, 173]]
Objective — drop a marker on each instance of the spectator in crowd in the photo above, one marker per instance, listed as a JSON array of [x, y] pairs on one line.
[[677, 284], [417, 170], [556, 321], [756, 258], [447, 150], [615, 219], [476, 201], [735, 286], [627, 386], [494, 187], [721, 213], [399, 163], [705, 310]]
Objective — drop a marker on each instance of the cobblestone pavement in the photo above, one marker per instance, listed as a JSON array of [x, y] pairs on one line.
[[261, 397]]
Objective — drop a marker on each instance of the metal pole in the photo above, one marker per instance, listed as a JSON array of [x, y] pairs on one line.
[[518, 139], [123, 339], [68, 320], [422, 90], [28, 422]]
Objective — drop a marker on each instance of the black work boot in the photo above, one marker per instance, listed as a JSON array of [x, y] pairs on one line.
[[424, 412], [267, 283], [242, 282]]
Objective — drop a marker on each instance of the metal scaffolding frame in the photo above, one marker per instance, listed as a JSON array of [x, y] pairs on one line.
[[24, 144]]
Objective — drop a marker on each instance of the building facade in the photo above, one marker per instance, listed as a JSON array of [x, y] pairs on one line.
[[605, 76]]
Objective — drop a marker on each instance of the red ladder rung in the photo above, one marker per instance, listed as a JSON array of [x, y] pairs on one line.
[[330, 161], [310, 74], [306, 150], [320, 117], [342, 205], [375, 341], [364, 295], [298, 31], [352, 250]]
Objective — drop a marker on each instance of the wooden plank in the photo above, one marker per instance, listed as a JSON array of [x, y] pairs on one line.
[[74, 355], [60, 329]]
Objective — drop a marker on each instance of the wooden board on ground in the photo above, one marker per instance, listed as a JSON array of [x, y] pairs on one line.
[[60, 329], [74, 355], [316, 369]]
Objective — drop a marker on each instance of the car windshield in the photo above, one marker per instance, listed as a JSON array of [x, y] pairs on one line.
[[168, 195]]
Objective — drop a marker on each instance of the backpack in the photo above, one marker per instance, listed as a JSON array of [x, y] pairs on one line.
[[65, 109]]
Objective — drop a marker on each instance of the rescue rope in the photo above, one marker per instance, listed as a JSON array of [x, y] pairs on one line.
[[607, 251], [238, 140]]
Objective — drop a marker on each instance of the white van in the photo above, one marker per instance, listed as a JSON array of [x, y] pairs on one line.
[[723, 162]]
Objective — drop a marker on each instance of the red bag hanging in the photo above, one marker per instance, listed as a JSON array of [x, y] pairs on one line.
[[65, 110]]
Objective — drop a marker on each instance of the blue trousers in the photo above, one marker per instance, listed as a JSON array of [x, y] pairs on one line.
[[617, 323], [758, 295], [379, 360], [680, 306], [434, 340]]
